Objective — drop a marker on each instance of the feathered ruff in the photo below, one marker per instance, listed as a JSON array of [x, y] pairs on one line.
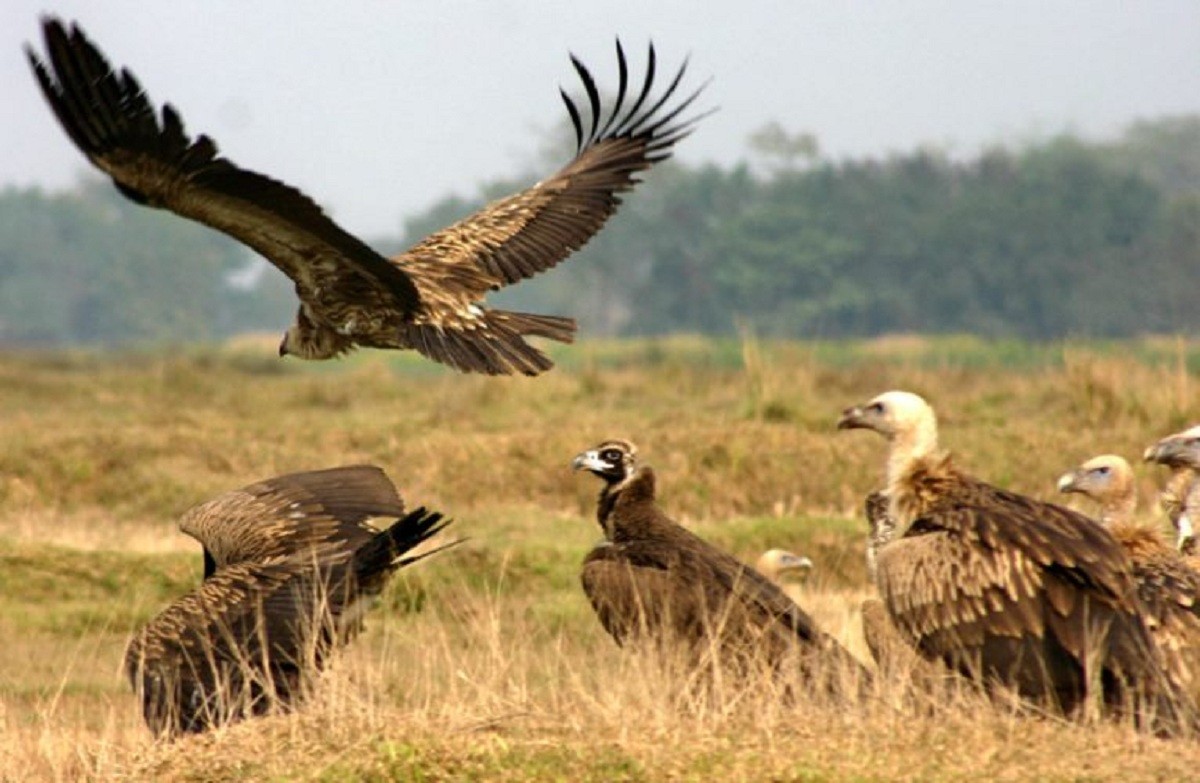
[[1030, 595]]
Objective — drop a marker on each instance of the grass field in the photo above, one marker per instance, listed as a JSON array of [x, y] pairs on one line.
[[486, 663]]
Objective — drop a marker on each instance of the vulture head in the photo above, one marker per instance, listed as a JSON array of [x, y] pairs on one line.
[[905, 420], [780, 565], [306, 340], [1181, 453], [614, 461], [1181, 450], [1108, 480], [896, 415]]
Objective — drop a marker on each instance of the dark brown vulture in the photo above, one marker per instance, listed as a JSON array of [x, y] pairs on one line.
[[292, 514], [652, 580], [278, 600], [1167, 587], [429, 298], [1006, 589], [1181, 453]]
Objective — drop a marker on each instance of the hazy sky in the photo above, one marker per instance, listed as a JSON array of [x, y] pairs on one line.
[[377, 109]]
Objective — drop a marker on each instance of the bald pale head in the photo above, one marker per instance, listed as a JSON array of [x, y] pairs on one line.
[[896, 415], [906, 420], [1108, 480], [780, 565]]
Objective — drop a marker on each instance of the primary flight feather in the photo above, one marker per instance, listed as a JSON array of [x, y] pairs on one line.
[[429, 298]]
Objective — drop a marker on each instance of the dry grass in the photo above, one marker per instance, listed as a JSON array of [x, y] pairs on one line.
[[486, 663]]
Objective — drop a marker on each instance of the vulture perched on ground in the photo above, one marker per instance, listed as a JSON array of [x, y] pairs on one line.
[[891, 650], [1181, 453], [1006, 589], [1167, 587], [289, 565], [652, 580], [780, 566], [429, 298]]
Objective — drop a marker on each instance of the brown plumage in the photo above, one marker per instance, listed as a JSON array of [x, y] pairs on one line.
[[881, 529], [1169, 590], [429, 298], [250, 638], [292, 514], [1181, 453], [1006, 589], [652, 580]]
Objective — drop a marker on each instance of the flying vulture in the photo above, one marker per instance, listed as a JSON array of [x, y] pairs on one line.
[[1181, 453], [429, 298], [652, 580], [1167, 587], [290, 566], [1006, 589]]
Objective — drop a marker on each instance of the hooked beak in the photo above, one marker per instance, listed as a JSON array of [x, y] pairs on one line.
[[852, 418], [1069, 482], [590, 460], [789, 562], [283, 351]]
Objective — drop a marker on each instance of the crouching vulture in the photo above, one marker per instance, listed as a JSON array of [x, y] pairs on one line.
[[1167, 587], [290, 564], [429, 298], [1181, 453], [651, 580], [1008, 590]]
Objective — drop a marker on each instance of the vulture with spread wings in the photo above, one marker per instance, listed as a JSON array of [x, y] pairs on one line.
[[290, 566], [429, 298]]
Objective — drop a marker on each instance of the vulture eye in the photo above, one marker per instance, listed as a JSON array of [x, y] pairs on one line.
[[611, 455], [875, 407], [1102, 471]]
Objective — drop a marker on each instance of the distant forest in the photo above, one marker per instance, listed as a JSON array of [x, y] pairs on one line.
[[1062, 237]]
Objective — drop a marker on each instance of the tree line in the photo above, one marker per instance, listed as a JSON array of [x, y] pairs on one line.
[[1063, 237]]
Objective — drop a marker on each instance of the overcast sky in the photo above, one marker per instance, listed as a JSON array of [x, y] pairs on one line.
[[377, 109]]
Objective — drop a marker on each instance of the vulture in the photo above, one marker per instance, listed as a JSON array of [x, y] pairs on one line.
[[650, 580], [780, 566], [430, 297], [1167, 587], [1181, 453], [290, 564], [1007, 590], [890, 650]]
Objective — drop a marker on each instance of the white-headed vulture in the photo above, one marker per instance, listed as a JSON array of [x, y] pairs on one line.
[[1009, 590]]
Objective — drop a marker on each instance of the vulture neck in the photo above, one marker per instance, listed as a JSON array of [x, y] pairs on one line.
[[912, 449], [1119, 510], [637, 488], [1174, 495]]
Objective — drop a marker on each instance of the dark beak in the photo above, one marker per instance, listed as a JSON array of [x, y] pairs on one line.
[[851, 418], [283, 351]]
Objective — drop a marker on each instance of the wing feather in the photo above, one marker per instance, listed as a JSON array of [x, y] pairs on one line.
[[519, 236], [110, 118], [289, 514]]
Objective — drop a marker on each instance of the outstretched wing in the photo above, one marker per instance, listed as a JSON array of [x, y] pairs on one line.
[[293, 513], [111, 120], [248, 637], [533, 230]]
